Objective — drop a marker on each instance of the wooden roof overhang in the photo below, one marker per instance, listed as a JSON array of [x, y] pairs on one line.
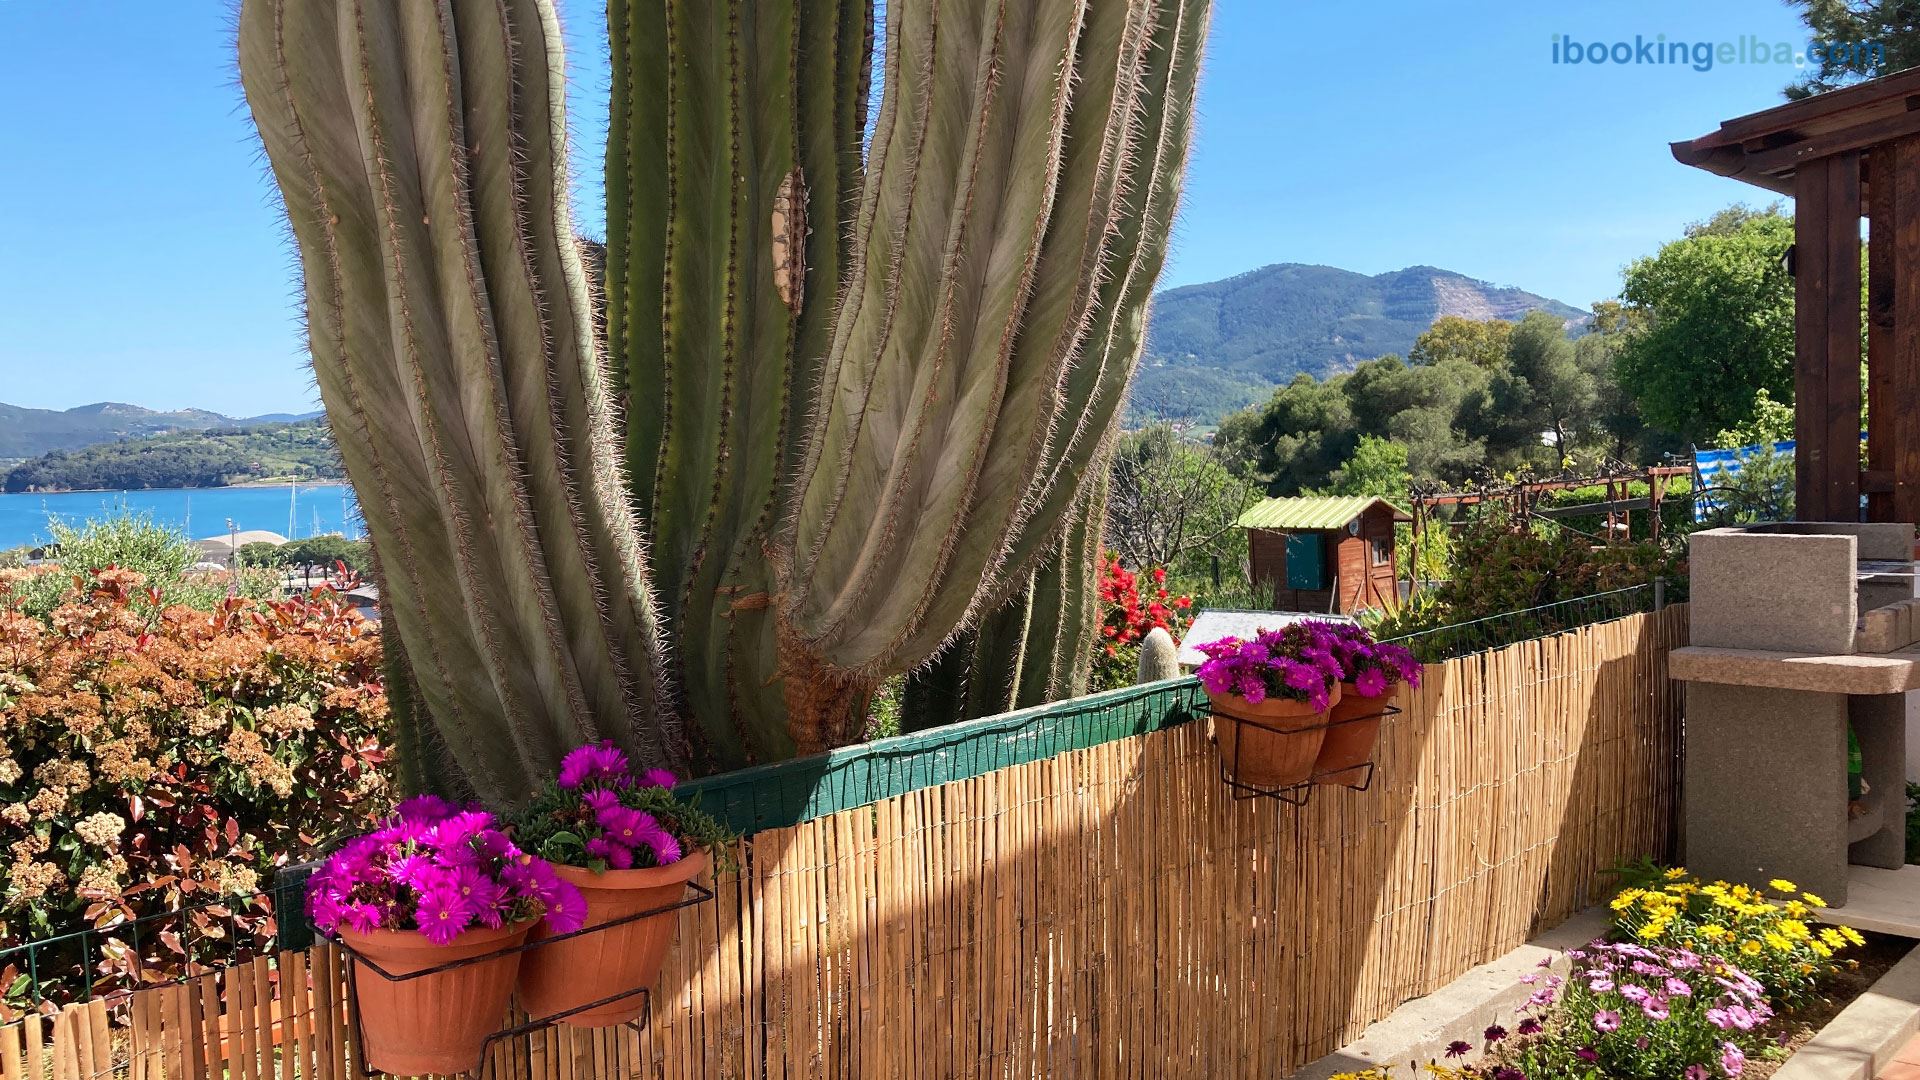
[[1839, 155], [1767, 147]]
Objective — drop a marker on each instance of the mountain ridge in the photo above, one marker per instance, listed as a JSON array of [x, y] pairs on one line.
[[28, 433], [1220, 345]]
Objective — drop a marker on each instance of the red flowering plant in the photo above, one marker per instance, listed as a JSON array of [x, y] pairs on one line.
[[158, 762], [1128, 614], [440, 870]]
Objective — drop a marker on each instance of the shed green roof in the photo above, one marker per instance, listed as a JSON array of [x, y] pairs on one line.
[[1313, 512]]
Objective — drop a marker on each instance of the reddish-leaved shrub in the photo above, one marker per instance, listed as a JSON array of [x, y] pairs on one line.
[[157, 757]]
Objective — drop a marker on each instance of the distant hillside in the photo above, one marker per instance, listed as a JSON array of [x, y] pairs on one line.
[[1216, 347], [26, 433], [213, 457]]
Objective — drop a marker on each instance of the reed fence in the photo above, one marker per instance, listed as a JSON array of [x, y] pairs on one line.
[[1108, 910]]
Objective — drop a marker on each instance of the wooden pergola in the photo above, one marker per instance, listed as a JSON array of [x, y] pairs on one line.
[[1841, 154]]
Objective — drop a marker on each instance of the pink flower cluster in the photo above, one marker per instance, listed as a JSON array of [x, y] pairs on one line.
[[438, 869], [1372, 668], [1302, 661], [612, 831], [1631, 985]]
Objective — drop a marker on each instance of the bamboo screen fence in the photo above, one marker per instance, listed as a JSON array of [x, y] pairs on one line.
[[1105, 912]]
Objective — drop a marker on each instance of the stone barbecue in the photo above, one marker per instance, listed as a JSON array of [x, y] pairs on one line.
[[1799, 630]]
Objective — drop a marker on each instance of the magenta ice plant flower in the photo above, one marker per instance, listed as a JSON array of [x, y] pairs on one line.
[[437, 869], [602, 814]]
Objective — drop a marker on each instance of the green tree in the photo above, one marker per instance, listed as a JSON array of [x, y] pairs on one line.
[[1173, 505], [1620, 431], [1771, 422], [1378, 468], [1542, 391], [1885, 33], [1711, 323], [1480, 342], [1294, 441]]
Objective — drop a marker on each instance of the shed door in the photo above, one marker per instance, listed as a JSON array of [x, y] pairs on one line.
[[1306, 562]]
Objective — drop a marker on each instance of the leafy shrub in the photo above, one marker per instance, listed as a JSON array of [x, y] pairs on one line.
[[162, 556], [1128, 615], [1763, 930], [157, 756], [1501, 568]]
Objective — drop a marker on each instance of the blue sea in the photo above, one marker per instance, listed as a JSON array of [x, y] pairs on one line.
[[293, 512]]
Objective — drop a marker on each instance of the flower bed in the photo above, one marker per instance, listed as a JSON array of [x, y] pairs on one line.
[[157, 756], [1698, 981]]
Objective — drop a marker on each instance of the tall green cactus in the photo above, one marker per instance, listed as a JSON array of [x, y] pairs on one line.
[[975, 290], [866, 388], [418, 148]]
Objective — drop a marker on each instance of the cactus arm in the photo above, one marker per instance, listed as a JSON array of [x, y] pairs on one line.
[[1066, 605], [1100, 133], [426, 325], [292, 70], [999, 655], [922, 351], [1159, 658], [753, 109], [1096, 385], [637, 187], [564, 406]]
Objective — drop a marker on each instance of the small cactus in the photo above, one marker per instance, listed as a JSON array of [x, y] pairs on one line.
[[1159, 657]]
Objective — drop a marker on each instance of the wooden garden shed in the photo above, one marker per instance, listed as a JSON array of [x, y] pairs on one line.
[[1325, 553], [1839, 155]]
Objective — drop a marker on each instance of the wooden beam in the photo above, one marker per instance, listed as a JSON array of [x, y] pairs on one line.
[[1802, 153], [1877, 481], [1827, 339], [1903, 349]]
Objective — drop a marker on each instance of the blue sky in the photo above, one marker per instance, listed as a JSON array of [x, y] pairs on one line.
[[142, 258]]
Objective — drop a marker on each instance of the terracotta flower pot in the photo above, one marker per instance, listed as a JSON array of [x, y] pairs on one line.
[[1272, 744], [1350, 741], [568, 974], [436, 1023]]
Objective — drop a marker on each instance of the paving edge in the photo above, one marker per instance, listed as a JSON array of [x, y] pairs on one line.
[[1420, 1029], [1863, 1039]]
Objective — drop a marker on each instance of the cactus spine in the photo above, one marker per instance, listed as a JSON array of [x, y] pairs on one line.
[[866, 389]]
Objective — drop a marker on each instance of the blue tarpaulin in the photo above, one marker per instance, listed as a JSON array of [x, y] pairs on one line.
[[1716, 467]]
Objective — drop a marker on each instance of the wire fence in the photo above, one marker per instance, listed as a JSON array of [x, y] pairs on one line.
[[126, 951], [1507, 628]]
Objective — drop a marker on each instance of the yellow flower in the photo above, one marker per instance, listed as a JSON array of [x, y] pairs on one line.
[[1852, 935], [1819, 950], [1832, 937], [1652, 930], [1676, 873], [1715, 932], [1780, 884], [1797, 910], [1780, 944], [1625, 899], [1750, 947], [1794, 929], [1812, 899]]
